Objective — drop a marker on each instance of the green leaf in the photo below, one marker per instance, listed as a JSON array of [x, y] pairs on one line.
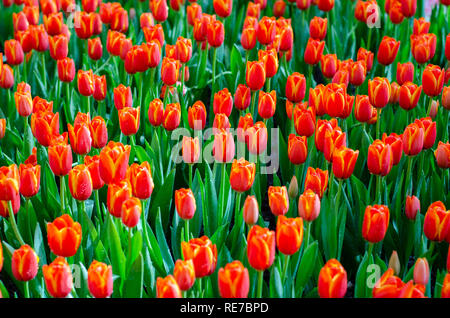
[[165, 252], [306, 266], [117, 256], [133, 287]]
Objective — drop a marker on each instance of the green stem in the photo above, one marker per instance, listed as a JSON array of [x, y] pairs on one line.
[[190, 175], [44, 72], [286, 266], [378, 195], [61, 193], [26, 290], [378, 122], [408, 176], [14, 225], [268, 84], [308, 234], [222, 188], [238, 203], [338, 195], [97, 205], [429, 105], [370, 250], [187, 231], [260, 284], [253, 103]]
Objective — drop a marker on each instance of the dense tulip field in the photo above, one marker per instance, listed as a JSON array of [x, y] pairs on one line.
[[220, 148]]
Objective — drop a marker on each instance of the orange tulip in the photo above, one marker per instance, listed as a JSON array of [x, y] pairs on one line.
[[433, 80], [409, 95], [59, 46], [445, 291], [242, 175], [289, 234], [223, 102], [413, 138], [99, 132], [325, 5], [318, 28], [437, 222], [388, 286], [446, 98], [405, 73], [129, 120], [332, 280], [366, 56], [270, 59], [197, 116], [379, 92], [260, 247], [131, 212], [156, 112], [334, 139], [6, 77], [234, 281], [376, 223], [223, 148], [24, 263], [309, 205], [316, 180], [184, 274], [60, 156], [169, 71], [442, 154], [58, 278], [278, 200], [167, 287], [190, 149], [421, 26], [266, 30], [85, 82], [14, 52], [172, 116], [64, 236], [80, 182], [114, 162], [256, 138], [297, 149], [267, 104], [100, 280], [363, 108], [380, 158], [215, 33], [9, 182], [387, 52], [423, 47], [255, 75], [2, 127], [242, 97], [185, 203], [66, 70], [329, 65], [20, 21], [344, 160], [295, 87], [194, 12], [313, 51], [24, 103], [117, 194], [248, 38], [203, 254], [80, 137], [93, 165], [122, 97]]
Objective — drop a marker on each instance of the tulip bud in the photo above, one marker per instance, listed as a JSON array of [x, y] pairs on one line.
[[197, 116], [66, 70], [313, 51], [234, 281], [297, 149], [100, 279], [114, 159], [184, 274], [295, 87], [344, 160], [394, 262], [24, 263], [293, 188], [421, 271], [255, 75], [80, 182], [316, 180], [433, 80], [251, 210], [58, 278]]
